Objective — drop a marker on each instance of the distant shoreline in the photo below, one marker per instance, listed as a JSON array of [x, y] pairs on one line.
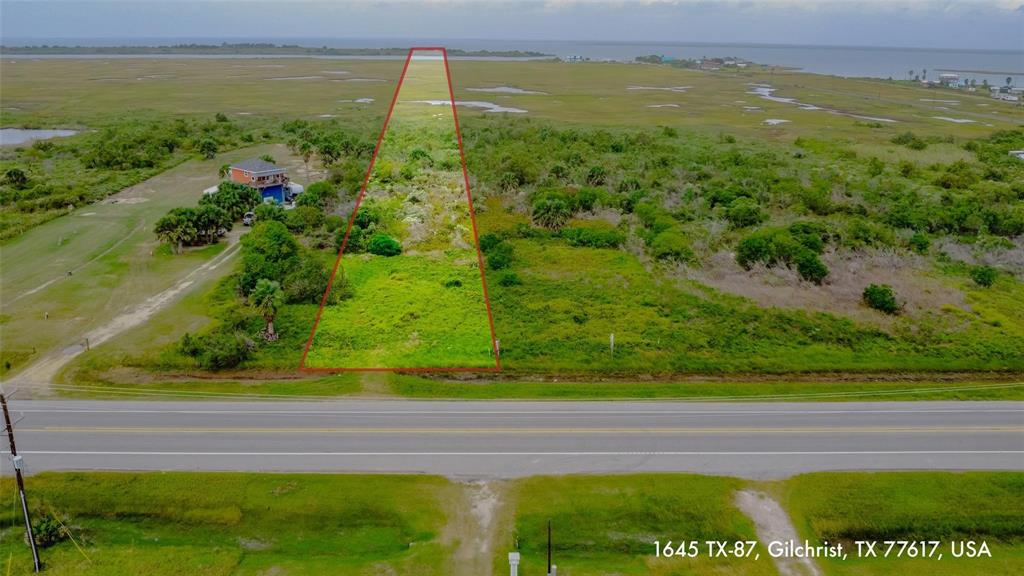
[[991, 72], [250, 49]]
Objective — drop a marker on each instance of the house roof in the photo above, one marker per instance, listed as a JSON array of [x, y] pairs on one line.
[[257, 166]]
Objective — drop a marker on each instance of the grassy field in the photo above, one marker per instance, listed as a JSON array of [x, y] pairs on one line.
[[425, 306], [913, 506], [217, 523], [605, 525], [83, 268], [81, 92], [651, 209], [608, 524], [213, 524]]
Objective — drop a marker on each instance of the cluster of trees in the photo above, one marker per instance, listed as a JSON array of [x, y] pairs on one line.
[[672, 187], [192, 226], [327, 141], [205, 223], [42, 180]]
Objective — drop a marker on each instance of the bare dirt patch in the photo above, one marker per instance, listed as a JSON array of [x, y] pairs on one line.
[[842, 291]]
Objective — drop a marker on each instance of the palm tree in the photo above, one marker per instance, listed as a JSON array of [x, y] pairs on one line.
[[222, 172], [267, 298], [306, 150]]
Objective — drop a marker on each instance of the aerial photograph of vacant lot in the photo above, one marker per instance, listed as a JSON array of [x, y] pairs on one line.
[[415, 297], [658, 289]]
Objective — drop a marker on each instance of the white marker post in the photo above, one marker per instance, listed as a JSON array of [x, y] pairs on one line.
[[513, 563], [611, 343]]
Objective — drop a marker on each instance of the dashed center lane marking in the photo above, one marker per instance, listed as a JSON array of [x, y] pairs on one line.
[[530, 431]]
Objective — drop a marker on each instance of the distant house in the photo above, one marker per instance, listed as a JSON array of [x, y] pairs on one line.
[[1008, 93], [267, 177], [711, 64], [949, 80]]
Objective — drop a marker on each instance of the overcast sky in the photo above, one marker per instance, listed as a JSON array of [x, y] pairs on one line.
[[976, 24]]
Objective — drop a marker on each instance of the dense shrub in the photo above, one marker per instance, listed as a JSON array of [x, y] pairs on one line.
[[305, 219], [510, 279], [321, 195], [810, 267], [307, 283], [593, 237], [500, 256], [550, 211], [488, 241], [270, 211], [48, 531], [384, 245], [798, 246], [221, 349], [671, 245], [881, 297], [984, 275], [919, 242], [743, 212], [910, 140]]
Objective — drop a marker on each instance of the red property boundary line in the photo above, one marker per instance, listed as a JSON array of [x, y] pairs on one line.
[[352, 219]]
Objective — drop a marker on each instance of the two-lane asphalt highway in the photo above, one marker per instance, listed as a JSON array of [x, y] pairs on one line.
[[508, 439]]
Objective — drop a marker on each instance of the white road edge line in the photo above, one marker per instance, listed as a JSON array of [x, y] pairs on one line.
[[634, 453]]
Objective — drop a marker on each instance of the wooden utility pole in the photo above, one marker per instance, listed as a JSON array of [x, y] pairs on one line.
[[16, 460]]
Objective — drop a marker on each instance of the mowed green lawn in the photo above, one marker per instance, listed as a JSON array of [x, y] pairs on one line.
[[219, 524], [976, 506], [608, 524], [227, 523], [114, 259]]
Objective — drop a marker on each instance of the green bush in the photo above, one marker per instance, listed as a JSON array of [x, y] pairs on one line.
[[743, 212], [910, 140], [488, 241], [593, 237], [48, 531], [305, 219], [798, 246], [810, 267], [919, 242], [550, 211], [671, 245], [307, 283], [881, 297], [984, 275], [510, 279], [267, 212], [384, 245], [500, 256], [221, 349]]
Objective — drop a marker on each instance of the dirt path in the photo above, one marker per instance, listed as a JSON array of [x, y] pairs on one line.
[[772, 524], [471, 528], [39, 377]]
